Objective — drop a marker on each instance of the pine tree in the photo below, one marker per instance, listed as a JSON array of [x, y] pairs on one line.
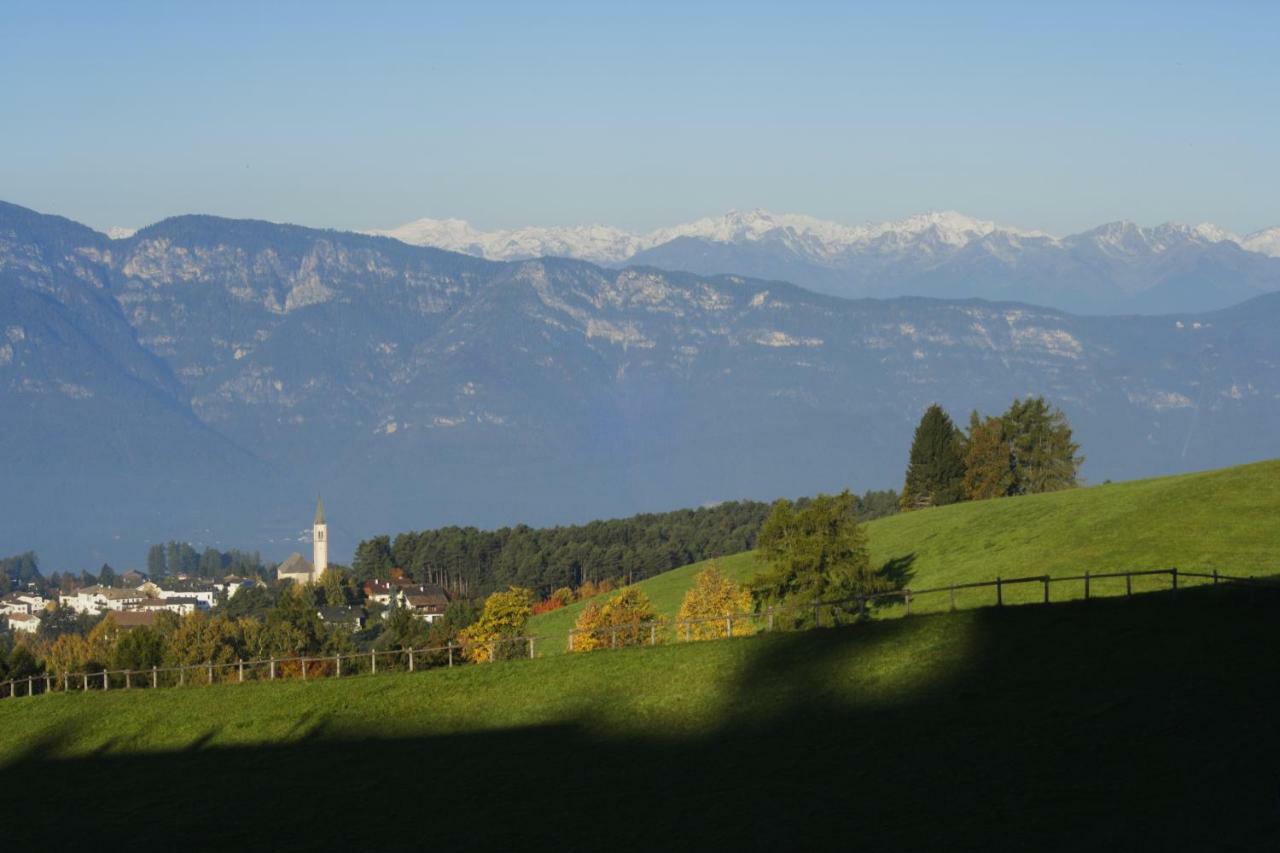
[[155, 562], [1044, 455], [988, 460], [935, 471]]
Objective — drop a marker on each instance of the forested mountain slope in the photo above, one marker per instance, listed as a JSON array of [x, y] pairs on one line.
[[205, 378]]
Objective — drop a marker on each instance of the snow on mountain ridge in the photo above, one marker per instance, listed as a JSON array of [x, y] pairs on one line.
[[807, 235], [1266, 242], [607, 244]]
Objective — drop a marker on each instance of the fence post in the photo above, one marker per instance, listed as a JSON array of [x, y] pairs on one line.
[[999, 592], [908, 603], [450, 653], [65, 683], [31, 687], [155, 677], [128, 680], [273, 669], [411, 659], [373, 662], [211, 672], [1046, 589], [1128, 584], [304, 667], [1174, 573], [728, 624], [770, 618], [242, 670], [48, 683], [531, 648], [653, 634], [1215, 577], [687, 631], [337, 665], [86, 680], [1086, 584], [106, 681]]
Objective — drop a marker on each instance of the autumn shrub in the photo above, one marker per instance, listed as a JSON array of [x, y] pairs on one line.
[[505, 616], [706, 606], [562, 597], [627, 618]]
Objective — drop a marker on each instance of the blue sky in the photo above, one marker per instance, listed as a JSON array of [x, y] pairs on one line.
[[369, 115]]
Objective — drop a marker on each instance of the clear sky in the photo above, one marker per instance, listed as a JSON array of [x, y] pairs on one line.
[[1057, 116]]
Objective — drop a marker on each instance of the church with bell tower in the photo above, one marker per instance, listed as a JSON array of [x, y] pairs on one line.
[[295, 567]]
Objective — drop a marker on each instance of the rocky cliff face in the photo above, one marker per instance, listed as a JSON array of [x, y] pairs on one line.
[[204, 378]]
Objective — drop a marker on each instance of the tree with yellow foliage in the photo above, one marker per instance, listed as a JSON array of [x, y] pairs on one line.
[[712, 598], [505, 616], [627, 618]]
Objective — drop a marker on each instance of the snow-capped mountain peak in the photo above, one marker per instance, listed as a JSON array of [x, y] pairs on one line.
[[1266, 242], [930, 235]]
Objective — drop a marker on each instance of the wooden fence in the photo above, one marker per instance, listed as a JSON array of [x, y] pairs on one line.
[[839, 611], [299, 667], [304, 667]]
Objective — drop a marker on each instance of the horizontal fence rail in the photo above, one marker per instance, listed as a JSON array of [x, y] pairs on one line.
[[304, 667], [858, 606], [297, 667]]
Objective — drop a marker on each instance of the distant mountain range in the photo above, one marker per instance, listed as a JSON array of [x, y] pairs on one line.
[[1115, 268], [205, 378]]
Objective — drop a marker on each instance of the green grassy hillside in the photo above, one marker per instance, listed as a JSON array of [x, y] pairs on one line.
[[1227, 520], [1013, 728]]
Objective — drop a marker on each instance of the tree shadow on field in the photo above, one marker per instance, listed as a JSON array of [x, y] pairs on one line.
[[897, 570], [1108, 725]]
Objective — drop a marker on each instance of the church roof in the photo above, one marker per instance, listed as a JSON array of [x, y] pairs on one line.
[[295, 564], [319, 511]]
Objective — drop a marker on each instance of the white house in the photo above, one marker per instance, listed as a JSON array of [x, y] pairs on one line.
[[204, 594], [25, 622], [87, 599], [96, 599], [175, 604], [122, 599], [13, 603]]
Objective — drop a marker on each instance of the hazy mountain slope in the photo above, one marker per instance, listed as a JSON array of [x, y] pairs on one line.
[[415, 387]]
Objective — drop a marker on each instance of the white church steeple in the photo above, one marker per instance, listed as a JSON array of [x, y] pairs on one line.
[[319, 542]]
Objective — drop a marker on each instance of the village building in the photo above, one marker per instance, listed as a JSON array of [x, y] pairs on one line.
[[180, 606], [24, 623], [427, 602], [86, 599], [345, 617], [133, 578], [135, 618], [22, 602]]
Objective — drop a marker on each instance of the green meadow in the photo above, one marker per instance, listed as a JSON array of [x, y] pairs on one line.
[[1225, 520], [1108, 724]]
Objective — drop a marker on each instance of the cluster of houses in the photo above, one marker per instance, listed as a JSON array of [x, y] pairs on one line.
[[136, 603], [140, 600]]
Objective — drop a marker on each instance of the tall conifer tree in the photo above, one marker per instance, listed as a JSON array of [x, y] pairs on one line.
[[935, 471]]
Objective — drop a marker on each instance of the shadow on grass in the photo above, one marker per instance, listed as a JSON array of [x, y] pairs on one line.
[[897, 570], [1106, 725]]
